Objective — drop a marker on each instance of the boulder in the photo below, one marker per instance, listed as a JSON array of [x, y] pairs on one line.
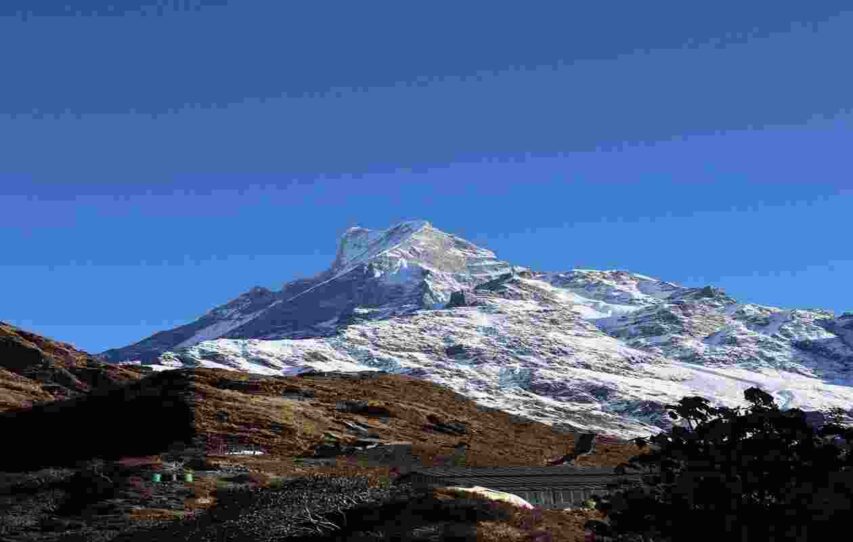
[[298, 394], [455, 351], [448, 428], [461, 298], [357, 428], [362, 407]]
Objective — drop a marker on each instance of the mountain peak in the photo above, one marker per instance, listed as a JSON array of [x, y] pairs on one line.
[[415, 257], [598, 350], [358, 245]]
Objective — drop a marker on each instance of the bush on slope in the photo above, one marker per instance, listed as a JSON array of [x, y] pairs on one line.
[[757, 473]]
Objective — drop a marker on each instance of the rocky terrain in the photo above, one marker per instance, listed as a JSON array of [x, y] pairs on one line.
[[273, 458], [34, 369], [585, 350], [108, 502], [298, 410], [375, 275], [219, 412]]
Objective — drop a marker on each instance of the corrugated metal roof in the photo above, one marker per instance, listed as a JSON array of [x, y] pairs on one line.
[[557, 470], [520, 477], [523, 483]]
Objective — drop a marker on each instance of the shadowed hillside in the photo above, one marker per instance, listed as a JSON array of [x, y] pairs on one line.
[[35, 369], [312, 424], [143, 417], [283, 417]]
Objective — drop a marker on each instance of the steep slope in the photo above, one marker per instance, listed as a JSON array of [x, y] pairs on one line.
[[376, 274], [35, 369], [17, 391], [530, 348], [206, 409], [210, 326], [585, 349]]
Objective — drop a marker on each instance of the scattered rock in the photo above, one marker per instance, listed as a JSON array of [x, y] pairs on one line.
[[455, 351], [363, 407], [448, 428], [330, 449], [707, 291], [351, 406], [298, 394], [364, 443], [462, 298], [396, 454], [584, 445], [357, 428], [243, 386]]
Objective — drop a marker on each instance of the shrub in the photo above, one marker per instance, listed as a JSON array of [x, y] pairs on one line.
[[757, 473]]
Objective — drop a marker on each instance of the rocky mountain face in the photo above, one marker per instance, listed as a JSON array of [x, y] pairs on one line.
[[35, 369], [375, 275], [590, 350]]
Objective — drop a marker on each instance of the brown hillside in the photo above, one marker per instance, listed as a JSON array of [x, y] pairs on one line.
[[285, 417], [17, 391], [34, 369], [265, 412], [176, 414]]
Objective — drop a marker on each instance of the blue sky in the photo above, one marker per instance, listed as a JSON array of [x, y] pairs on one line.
[[159, 158]]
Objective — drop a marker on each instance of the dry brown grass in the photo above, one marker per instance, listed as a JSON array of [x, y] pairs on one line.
[[268, 469], [62, 353], [288, 428], [24, 354], [495, 531], [531, 525], [494, 438], [538, 524], [19, 392], [203, 493], [155, 514], [566, 526]]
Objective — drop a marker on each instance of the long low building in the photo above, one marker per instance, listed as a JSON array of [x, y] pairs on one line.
[[548, 487]]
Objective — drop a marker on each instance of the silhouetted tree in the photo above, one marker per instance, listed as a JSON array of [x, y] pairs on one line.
[[742, 474]]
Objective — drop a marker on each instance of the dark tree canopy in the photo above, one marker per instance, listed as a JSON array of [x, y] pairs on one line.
[[747, 474]]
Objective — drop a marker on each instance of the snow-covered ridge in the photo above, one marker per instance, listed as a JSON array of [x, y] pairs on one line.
[[358, 244], [526, 349], [594, 350], [391, 272]]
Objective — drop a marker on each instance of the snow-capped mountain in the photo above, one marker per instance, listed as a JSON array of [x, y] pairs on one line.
[[594, 350], [376, 274]]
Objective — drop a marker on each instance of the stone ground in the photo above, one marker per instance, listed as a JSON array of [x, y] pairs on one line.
[[233, 497], [103, 501]]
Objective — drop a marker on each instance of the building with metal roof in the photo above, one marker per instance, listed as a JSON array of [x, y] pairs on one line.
[[548, 487]]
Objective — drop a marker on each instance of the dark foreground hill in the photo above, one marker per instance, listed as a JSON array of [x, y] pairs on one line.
[[68, 505], [141, 418], [52, 489], [34, 369], [83, 441]]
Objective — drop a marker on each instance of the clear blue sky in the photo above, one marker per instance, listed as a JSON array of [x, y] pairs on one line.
[[159, 158]]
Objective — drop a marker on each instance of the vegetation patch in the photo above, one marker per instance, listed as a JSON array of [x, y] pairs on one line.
[[760, 472]]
